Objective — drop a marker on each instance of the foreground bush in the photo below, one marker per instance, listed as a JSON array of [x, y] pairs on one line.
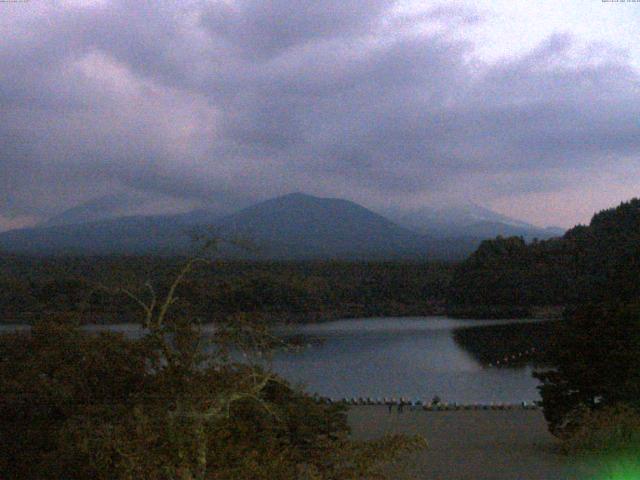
[[608, 440], [612, 430], [171, 405]]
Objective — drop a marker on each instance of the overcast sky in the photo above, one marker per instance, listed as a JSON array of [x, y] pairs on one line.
[[528, 107]]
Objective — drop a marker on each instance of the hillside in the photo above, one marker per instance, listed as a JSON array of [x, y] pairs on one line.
[[588, 263]]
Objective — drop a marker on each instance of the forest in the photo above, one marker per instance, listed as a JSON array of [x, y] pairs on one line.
[[287, 291], [591, 263]]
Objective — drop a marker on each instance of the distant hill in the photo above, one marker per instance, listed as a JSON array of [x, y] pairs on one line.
[[488, 229], [135, 204], [96, 209], [160, 234], [597, 262], [295, 226], [472, 220]]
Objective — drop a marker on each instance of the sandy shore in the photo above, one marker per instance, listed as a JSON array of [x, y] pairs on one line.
[[473, 445]]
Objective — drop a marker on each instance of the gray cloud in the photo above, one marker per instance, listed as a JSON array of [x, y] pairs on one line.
[[204, 100], [262, 29]]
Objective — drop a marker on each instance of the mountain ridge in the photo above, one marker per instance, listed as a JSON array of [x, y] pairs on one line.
[[474, 220], [292, 226]]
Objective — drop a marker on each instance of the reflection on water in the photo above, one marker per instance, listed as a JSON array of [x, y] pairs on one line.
[[409, 357], [508, 345]]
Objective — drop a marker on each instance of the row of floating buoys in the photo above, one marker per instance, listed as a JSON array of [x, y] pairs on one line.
[[516, 356], [428, 406]]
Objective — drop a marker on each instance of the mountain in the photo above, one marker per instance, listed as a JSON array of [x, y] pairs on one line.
[[303, 226], [294, 226], [471, 220]]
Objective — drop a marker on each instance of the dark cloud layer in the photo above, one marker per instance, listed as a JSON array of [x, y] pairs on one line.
[[202, 101]]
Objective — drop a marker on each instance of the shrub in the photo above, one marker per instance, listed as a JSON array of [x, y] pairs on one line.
[[614, 429]]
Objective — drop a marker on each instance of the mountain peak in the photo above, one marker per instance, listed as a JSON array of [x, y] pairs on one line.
[[303, 197], [294, 195]]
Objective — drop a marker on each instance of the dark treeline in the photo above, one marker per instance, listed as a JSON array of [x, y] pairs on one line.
[[590, 263], [304, 291]]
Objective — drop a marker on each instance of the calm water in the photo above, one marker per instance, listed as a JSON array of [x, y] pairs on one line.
[[415, 358], [410, 357]]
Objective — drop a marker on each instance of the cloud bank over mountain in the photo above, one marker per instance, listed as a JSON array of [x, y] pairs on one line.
[[386, 103]]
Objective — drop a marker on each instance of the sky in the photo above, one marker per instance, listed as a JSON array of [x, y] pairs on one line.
[[531, 108]]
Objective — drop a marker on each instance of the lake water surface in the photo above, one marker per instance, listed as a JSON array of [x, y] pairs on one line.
[[414, 357]]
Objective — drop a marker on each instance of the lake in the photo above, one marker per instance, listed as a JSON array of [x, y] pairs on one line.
[[416, 358]]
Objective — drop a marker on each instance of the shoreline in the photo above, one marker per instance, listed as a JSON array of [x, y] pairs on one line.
[[289, 318], [273, 318]]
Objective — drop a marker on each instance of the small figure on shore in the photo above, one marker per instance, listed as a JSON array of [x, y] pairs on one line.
[[389, 404], [401, 405]]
